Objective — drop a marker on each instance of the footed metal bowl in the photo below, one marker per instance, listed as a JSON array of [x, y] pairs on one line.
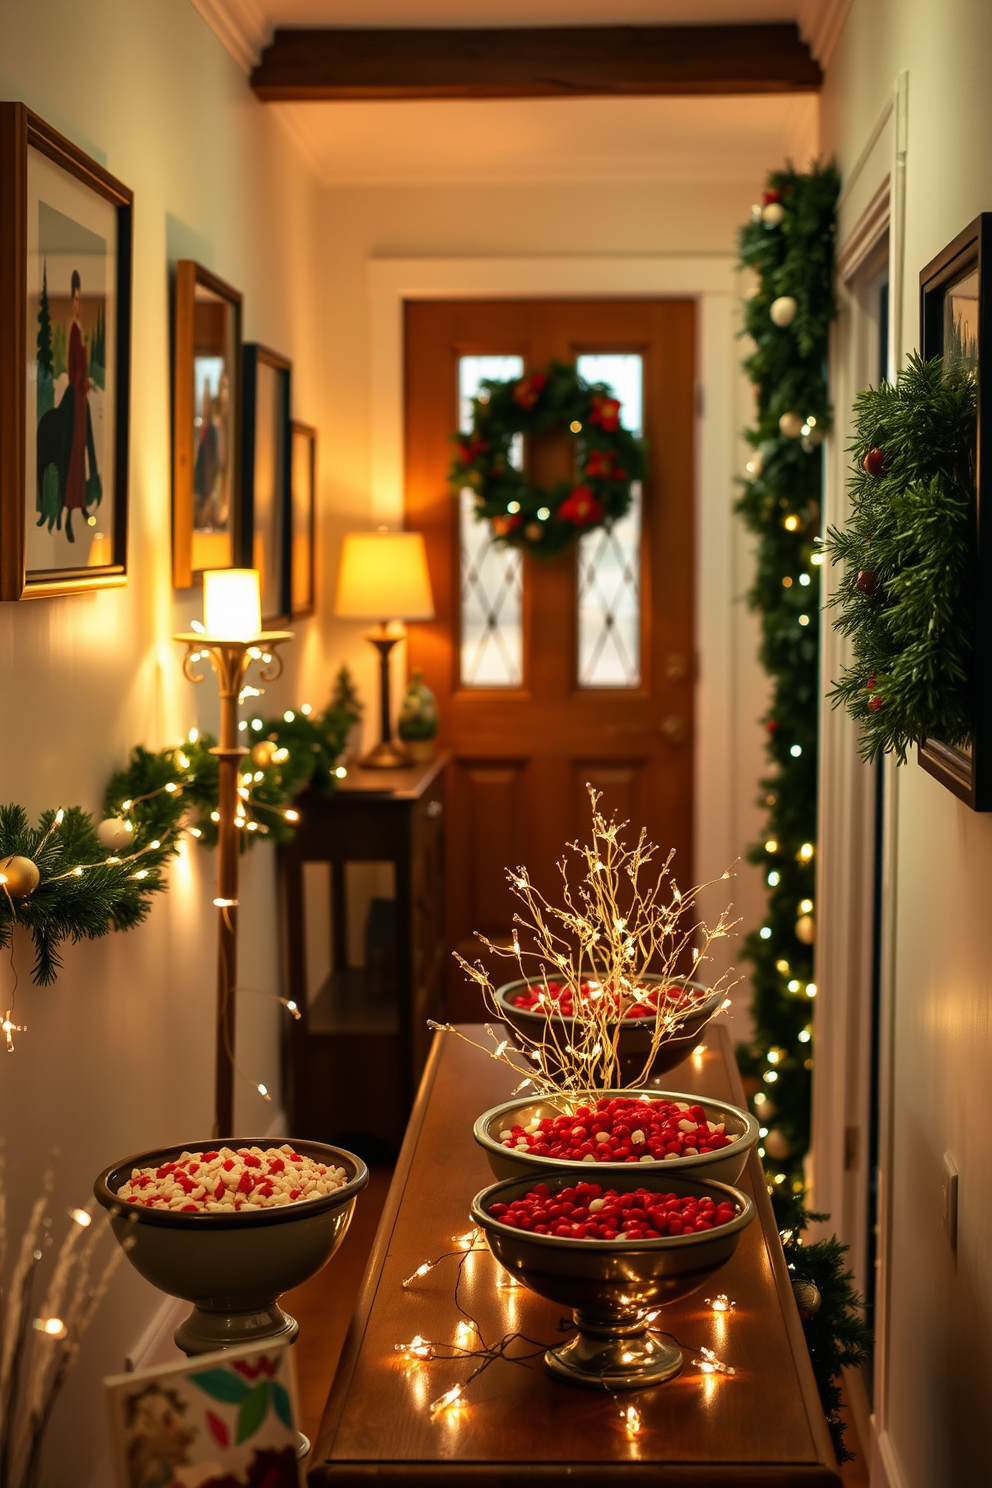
[[634, 1042], [232, 1267], [725, 1165], [611, 1285]]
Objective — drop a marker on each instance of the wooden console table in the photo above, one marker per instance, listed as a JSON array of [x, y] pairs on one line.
[[361, 1042], [763, 1427]]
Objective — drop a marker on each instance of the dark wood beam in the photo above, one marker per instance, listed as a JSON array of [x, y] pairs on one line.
[[534, 62]]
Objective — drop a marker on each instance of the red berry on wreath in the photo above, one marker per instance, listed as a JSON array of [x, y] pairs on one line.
[[871, 682], [529, 389], [875, 702], [874, 462], [581, 507], [867, 582]]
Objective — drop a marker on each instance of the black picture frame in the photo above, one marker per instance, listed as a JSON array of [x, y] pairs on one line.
[[303, 577], [66, 231], [966, 265], [267, 473]]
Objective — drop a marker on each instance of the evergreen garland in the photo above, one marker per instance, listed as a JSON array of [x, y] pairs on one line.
[[608, 459], [906, 594], [789, 245]]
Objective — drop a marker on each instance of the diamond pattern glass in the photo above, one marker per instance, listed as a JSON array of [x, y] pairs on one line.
[[492, 636], [609, 562]]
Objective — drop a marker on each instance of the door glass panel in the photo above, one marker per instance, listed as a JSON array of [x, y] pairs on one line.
[[491, 577], [609, 563]]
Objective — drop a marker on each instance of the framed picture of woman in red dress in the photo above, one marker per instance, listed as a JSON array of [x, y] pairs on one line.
[[65, 335]]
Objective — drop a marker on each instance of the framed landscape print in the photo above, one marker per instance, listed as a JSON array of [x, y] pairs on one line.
[[304, 487], [65, 338], [956, 323], [267, 461], [206, 424]]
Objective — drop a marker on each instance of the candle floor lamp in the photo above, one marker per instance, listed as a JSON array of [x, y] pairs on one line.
[[232, 638], [383, 576]]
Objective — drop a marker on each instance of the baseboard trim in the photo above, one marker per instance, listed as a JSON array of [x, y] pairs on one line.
[[885, 1469]]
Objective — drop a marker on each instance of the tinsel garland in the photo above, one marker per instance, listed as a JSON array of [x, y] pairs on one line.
[[789, 245], [608, 459], [906, 594]]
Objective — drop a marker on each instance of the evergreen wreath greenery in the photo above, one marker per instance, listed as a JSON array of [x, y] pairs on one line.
[[789, 245], [906, 595], [608, 459]]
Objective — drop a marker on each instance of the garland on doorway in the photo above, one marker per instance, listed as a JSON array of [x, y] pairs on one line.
[[906, 595], [608, 459], [788, 244]]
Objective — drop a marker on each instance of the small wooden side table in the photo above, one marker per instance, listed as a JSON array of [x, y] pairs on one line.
[[357, 1051]]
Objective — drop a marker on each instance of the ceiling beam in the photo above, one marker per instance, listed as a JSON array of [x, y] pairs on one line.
[[533, 62]]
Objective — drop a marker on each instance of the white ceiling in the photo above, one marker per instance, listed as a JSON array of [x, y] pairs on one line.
[[537, 140]]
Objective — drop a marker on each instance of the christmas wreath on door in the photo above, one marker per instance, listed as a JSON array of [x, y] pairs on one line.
[[608, 459]]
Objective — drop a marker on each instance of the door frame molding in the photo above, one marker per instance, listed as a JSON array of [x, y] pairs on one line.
[[722, 806]]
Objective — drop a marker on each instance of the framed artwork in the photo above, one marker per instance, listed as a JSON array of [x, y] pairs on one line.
[[956, 322], [302, 582], [267, 464], [218, 1420], [206, 424], [65, 347]]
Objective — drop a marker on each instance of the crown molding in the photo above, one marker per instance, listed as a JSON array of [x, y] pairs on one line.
[[241, 26], [820, 23]]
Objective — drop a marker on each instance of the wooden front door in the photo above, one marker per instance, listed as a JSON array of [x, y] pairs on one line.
[[552, 675]]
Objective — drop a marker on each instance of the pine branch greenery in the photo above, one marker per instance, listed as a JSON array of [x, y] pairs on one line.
[[906, 595], [781, 506]]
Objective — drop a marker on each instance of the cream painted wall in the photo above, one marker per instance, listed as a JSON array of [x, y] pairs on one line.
[[117, 1056], [931, 1399]]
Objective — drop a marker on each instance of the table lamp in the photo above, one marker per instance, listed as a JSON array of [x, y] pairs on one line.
[[231, 637], [383, 576]]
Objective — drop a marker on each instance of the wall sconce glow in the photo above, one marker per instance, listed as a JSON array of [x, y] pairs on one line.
[[232, 605]]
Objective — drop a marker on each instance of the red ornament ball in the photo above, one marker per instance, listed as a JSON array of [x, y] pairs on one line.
[[771, 724], [867, 581], [874, 462]]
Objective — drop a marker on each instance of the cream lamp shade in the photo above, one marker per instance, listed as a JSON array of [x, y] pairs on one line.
[[232, 608], [383, 576]]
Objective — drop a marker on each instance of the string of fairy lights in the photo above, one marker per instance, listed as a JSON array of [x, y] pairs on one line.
[[469, 1346]]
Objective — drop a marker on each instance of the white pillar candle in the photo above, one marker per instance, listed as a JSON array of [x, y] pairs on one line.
[[232, 608]]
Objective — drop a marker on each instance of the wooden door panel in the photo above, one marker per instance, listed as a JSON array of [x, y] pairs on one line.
[[522, 754]]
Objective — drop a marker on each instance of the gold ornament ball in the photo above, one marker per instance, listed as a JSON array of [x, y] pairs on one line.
[[773, 215], [114, 832], [776, 1145], [791, 425], [806, 929], [783, 311], [262, 753], [21, 876], [808, 1299]]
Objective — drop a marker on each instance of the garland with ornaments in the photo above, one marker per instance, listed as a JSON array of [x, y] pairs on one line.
[[906, 597], [789, 245], [67, 879], [608, 458]]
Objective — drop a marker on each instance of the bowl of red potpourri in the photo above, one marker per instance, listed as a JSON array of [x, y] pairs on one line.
[[613, 1247], [614, 1130], [527, 1006], [230, 1226]]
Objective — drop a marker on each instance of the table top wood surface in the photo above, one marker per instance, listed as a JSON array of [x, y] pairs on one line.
[[763, 1426]]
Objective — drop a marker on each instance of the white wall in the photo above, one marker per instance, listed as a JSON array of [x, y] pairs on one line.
[[117, 1057], [935, 1380]]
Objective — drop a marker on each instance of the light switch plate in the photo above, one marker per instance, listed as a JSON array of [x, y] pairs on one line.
[[950, 1204]]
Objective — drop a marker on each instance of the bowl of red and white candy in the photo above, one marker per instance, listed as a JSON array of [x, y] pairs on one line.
[[230, 1227], [527, 1006], [613, 1250], [615, 1129]]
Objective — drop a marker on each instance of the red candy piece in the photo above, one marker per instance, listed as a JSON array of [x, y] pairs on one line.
[[556, 997], [586, 1212], [621, 1130]]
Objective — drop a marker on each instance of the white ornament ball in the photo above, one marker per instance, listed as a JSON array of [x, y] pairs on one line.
[[777, 1144], [806, 929], [773, 214], [791, 425], [783, 310], [115, 832]]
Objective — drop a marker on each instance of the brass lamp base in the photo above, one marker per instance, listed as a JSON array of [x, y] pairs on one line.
[[386, 755]]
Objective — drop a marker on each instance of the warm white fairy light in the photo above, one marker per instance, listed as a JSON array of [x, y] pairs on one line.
[[82, 1217], [8, 1028], [464, 1334], [52, 1327], [421, 1270], [471, 1240], [721, 1303], [710, 1364], [417, 1348], [263, 1092], [291, 815], [447, 1401], [631, 1418]]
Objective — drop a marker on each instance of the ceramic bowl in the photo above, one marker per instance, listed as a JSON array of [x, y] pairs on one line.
[[725, 1165], [232, 1266], [612, 1284], [634, 1044]]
